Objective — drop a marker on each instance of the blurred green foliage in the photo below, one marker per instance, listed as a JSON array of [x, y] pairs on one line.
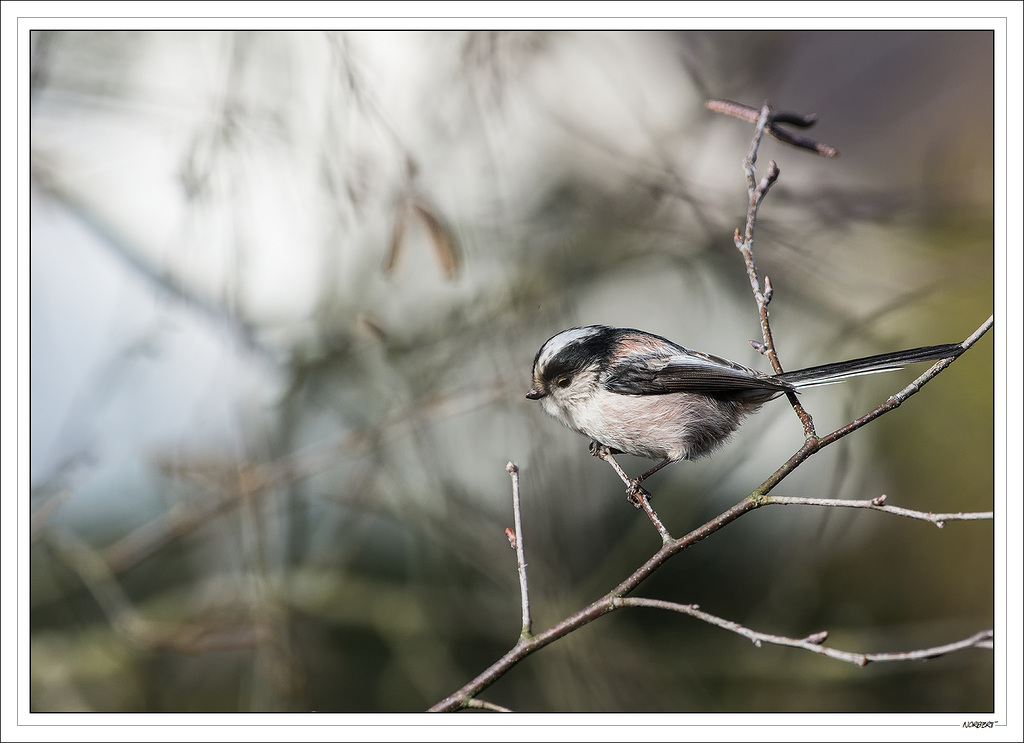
[[341, 547]]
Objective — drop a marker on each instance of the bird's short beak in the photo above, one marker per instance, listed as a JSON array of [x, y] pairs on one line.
[[534, 394]]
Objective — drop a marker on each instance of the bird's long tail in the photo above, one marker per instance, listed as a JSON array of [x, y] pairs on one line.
[[883, 362]]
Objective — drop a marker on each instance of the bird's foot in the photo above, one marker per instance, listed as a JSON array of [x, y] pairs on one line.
[[634, 493]]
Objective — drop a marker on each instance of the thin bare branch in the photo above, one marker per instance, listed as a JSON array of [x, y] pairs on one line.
[[481, 704], [756, 193], [641, 498], [803, 121], [877, 504], [813, 643], [813, 445], [517, 543], [617, 598], [757, 499]]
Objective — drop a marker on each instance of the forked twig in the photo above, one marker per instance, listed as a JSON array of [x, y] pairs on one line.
[[759, 498], [617, 598], [756, 193], [815, 444], [748, 113]]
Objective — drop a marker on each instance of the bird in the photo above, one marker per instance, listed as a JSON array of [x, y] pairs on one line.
[[637, 393]]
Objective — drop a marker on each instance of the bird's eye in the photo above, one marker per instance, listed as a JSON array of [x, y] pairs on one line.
[[563, 382]]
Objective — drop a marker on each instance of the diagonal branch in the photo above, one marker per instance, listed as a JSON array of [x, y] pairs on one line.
[[614, 599], [813, 445], [617, 598]]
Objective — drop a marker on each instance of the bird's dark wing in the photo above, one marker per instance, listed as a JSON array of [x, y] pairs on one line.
[[688, 372]]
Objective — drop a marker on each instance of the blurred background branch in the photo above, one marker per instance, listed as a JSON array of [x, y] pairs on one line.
[[285, 292]]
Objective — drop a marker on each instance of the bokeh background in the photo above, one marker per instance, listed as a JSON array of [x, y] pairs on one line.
[[286, 289]]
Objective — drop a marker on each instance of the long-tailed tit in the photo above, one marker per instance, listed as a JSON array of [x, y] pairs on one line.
[[642, 394]]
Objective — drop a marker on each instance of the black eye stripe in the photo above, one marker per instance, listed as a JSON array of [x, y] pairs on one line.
[[579, 355]]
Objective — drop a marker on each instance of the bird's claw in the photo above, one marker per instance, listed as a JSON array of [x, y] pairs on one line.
[[601, 451], [634, 493]]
